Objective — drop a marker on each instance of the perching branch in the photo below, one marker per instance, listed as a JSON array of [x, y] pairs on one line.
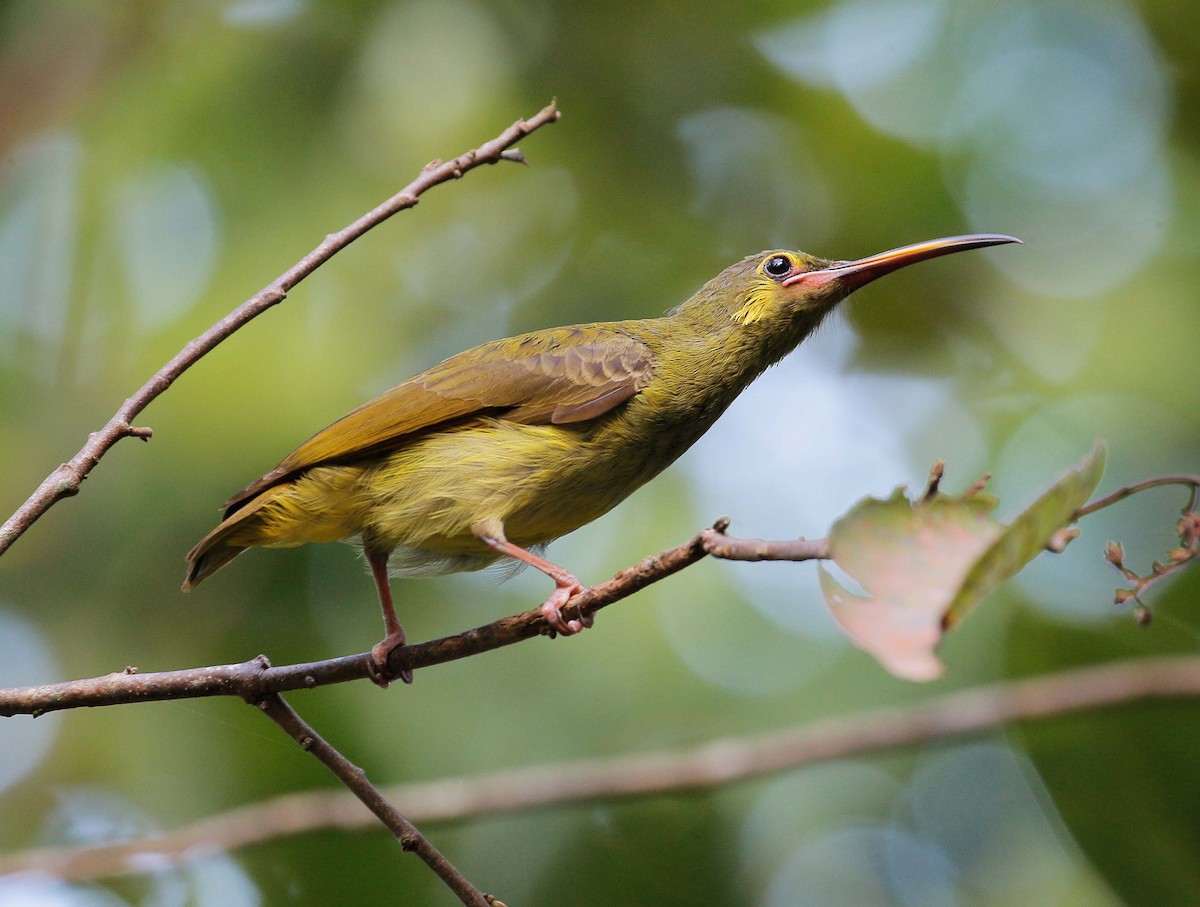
[[66, 480], [255, 679], [713, 764], [258, 683]]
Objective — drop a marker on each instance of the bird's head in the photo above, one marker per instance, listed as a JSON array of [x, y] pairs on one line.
[[781, 285]]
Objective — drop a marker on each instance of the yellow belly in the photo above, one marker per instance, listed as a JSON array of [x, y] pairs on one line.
[[539, 481]]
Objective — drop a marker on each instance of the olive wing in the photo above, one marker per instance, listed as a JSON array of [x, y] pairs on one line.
[[556, 376]]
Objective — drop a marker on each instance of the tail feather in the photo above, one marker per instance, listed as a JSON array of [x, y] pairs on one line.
[[321, 505], [206, 559], [217, 548]]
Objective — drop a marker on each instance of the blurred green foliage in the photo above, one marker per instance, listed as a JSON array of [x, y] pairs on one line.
[[162, 160]]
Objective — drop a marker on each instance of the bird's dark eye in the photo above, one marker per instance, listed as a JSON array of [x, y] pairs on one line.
[[778, 266]]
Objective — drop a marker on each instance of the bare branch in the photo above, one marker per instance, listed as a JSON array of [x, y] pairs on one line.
[[728, 548], [1193, 481], [716, 763], [255, 679], [66, 480], [355, 779], [248, 680]]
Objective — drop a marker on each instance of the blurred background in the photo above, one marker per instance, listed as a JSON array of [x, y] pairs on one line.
[[162, 161]]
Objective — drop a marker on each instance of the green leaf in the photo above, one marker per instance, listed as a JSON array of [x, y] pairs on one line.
[[1028, 534], [925, 564]]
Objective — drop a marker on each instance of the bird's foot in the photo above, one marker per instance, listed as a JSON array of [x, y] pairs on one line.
[[566, 586], [381, 652]]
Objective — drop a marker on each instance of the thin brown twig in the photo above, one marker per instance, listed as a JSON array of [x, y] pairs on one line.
[[256, 678], [936, 473], [65, 481], [712, 764], [1160, 572], [978, 486], [1127, 490], [356, 781], [1180, 558], [732, 549]]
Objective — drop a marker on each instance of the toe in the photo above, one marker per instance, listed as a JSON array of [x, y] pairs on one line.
[[378, 669]]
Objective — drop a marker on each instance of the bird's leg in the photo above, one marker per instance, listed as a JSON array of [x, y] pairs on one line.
[[565, 584], [395, 633]]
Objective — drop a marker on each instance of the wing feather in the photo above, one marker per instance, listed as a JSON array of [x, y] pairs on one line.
[[558, 376]]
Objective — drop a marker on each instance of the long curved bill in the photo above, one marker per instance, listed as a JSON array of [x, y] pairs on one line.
[[854, 274]]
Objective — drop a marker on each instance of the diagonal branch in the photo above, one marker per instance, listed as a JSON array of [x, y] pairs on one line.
[[66, 480], [712, 764], [355, 779], [255, 679]]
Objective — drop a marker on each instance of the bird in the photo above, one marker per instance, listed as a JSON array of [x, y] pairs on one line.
[[500, 449]]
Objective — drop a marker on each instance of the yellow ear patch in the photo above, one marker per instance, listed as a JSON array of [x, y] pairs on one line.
[[760, 300]]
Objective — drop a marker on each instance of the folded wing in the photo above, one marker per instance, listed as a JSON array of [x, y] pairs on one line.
[[559, 376]]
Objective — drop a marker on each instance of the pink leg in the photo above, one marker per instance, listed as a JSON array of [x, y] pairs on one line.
[[395, 633], [565, 586]]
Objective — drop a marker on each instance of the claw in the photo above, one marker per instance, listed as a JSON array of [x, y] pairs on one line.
[[377, 667], [552, 609]]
